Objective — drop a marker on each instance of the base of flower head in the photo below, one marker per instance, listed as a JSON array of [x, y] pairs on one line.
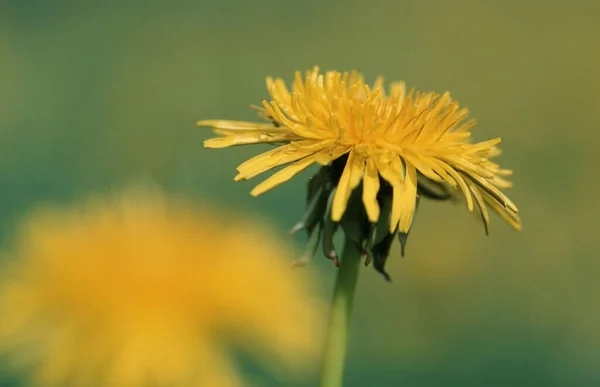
[[373, 240]]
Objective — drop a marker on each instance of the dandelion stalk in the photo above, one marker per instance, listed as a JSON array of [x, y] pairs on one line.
[[336, 343]]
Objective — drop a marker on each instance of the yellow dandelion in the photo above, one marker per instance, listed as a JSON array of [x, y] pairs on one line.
[[139, 291], [380, 152]]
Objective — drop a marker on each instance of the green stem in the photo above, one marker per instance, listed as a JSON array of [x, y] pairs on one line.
[[336, 342]]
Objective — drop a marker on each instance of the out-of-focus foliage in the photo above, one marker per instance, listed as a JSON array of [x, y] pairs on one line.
[[95, 95]]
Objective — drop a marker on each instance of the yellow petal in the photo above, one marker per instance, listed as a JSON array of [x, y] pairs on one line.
[[349, 180], [390, 167], [409, 198], [312, 145], [398, 91], [244, 139], [466, 126], [331, 154], [296, 127], [493, 192], [298, 85], [484, 145], [393, 173], [269, 160], [219, 142], [237, 126], [429, 169], [284, 175], [459, 162], [378, 85], [459, 179], [507, 214], [278, 91], [370, 189], [500, 182], [481, 204]]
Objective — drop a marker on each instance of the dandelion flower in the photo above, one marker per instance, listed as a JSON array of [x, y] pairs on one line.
[[379, 151], [137, 291]]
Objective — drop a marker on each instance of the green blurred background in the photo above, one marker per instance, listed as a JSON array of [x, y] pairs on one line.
[[97, 95]]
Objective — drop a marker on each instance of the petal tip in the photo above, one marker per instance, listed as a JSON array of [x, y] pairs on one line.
[[205, 123], [209, 143], [336, 216]]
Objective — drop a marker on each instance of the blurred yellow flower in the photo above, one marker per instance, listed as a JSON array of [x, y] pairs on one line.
[[140, 291]]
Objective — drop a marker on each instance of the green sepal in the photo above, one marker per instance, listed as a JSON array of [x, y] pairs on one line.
[[432, 189], [403, 236], [319, 187], [381, 228], [380, 253], [311, 248], [329, 229], [355, 222], [318, 180]]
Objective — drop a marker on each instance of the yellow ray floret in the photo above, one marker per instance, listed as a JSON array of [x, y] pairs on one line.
[[393, 135]]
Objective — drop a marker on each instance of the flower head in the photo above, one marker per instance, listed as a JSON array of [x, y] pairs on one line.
[[140, 292], [375, 146]]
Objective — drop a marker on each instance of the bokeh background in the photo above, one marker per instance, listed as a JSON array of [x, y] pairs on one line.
[[96, 95]]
